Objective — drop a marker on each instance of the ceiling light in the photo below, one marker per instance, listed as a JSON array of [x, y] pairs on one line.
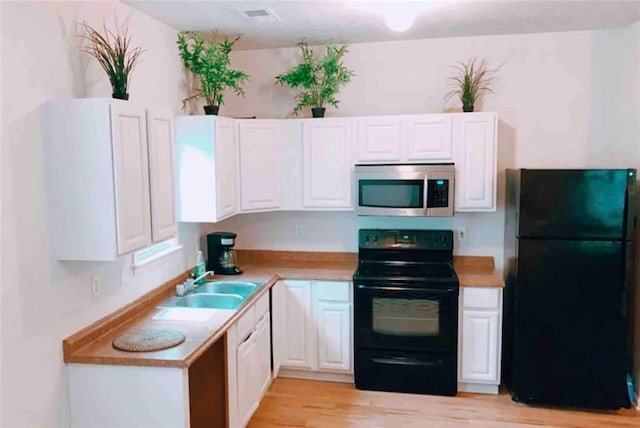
[[399, 20], [398, 16]]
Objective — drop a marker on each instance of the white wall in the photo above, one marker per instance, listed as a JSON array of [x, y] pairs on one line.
[[43, 300], [557, 95]]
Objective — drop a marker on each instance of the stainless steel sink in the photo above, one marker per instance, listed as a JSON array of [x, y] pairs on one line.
[[240, 288], [209, 300]]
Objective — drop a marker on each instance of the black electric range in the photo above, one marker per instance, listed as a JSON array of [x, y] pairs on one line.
[[406, 312]]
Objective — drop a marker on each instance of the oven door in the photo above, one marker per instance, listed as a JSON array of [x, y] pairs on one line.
[[393, 316]]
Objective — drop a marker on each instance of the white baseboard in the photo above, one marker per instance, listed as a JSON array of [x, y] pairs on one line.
[[481, 388], [310, 375]]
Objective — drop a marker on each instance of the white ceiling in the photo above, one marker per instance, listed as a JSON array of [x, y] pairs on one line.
[[320, 21]]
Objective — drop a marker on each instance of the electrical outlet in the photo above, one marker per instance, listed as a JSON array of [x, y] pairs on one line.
[[298, 231], [462, 234], [95, 286]]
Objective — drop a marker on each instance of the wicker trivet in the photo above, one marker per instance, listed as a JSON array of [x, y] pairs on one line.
[[152, 339]]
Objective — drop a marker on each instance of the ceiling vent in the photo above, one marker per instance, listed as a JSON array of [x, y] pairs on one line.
[[261, 15]]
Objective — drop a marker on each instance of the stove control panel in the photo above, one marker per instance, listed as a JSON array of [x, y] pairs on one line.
[[406, 239]]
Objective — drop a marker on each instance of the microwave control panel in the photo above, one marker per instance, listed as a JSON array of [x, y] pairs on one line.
[[437, 193]]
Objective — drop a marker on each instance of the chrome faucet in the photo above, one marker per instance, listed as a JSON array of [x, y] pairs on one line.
[[190, 284], [204, 275]]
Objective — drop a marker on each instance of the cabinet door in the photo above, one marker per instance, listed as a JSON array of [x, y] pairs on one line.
[[427, 137], [479, 347], [334, 336], [263, 356], [131, 175], [326, 154], [164, 223], [475, 156], [226, 168], [259, 166], [298, 344], [278, 320], [379, 139], [247, 380]]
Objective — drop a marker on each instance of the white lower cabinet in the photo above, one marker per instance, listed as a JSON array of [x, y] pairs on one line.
[[298, 350], [262, 357], [334, 336], [137, 396], [247, 389], [480, 339], [248, 362], [313, 329]]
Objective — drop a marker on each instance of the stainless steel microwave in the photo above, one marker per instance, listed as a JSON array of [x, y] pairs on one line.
[[405, 189]]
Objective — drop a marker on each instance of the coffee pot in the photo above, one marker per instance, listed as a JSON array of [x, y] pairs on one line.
[[222, 258]]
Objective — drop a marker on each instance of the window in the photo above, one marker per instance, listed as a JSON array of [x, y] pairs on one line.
[[155, 252]]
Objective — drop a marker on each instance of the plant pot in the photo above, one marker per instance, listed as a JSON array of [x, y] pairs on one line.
[[467, 109], [124, 96], [211, 110], [317, 111]]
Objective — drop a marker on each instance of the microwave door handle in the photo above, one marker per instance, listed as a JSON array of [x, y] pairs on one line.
[[426, 194]]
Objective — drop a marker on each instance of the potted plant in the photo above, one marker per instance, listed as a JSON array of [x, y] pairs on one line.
[[471, 80], [319, 78], [114, 53], [209, 62]]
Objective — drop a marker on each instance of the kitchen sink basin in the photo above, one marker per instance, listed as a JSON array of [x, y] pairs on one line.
[[243, 289], [210, 300]]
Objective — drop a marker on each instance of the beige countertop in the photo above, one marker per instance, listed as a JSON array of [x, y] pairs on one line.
[[93, 344]]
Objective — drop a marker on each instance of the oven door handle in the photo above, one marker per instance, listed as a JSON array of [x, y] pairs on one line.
[[402, 361], [430, 291]]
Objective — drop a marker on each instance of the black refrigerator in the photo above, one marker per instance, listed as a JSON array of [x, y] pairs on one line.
[[568, 263]]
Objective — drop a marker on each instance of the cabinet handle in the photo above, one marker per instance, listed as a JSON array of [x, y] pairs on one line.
[[246, 339], [262, 320]]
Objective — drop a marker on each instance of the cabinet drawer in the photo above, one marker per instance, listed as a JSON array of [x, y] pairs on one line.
[[262, 306], [481, 297], [246, 323], [334, 291]]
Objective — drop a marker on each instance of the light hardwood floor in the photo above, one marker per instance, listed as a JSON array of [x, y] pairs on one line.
[[302, 403]]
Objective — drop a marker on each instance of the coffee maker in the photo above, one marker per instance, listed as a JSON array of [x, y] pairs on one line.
[[222, 257]]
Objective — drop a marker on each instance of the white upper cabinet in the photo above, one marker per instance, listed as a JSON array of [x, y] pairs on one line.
[[98, 177], [427, 137], [131, 175], [259, 145], [326, 156], [162, 178], [475, 157], [207, 168], [227, 168], [379, 139]]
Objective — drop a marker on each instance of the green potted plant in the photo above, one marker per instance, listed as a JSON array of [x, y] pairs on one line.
[[209, 62], [115, 54], [472, 79], [319, 78]]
